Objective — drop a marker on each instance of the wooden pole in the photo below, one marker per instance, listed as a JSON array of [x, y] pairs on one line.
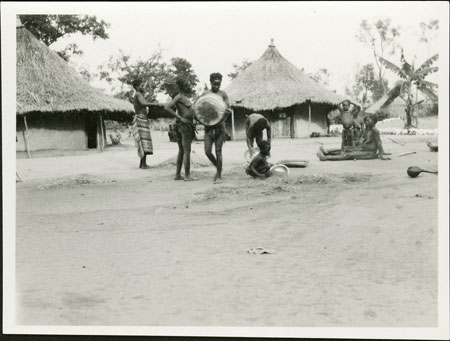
[[232, 126], [101, 132], [25, 135], [309, 118]]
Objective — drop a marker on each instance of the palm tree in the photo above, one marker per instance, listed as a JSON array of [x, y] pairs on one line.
[[412, 78]]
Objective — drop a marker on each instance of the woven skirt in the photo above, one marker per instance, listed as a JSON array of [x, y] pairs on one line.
[[142, 136]]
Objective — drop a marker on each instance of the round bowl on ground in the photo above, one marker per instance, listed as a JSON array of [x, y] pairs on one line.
[[280, 170]]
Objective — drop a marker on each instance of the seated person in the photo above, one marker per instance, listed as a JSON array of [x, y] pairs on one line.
[[370, 148], [358, 128], [259, 167]]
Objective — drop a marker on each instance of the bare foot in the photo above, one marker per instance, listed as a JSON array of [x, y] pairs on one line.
[[190, 178], [178, 177], [321, 156], [322, 149], [145, 167], [218, 181]]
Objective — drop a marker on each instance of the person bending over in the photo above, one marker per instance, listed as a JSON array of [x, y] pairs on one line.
[[254, 126]]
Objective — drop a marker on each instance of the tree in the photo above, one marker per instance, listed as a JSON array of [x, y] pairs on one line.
[[380, 87], [322, 76], [364, 84], [428, 32], [120, 69], [179, 68], [380, 37], [238, 68], [49, 28], [412, 78], [85, 73]]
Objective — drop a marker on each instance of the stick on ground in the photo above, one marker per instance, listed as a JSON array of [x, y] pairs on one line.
[[407, 153], [401, 144]]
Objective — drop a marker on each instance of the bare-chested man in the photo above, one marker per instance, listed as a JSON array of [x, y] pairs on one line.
[[254, 126], [216, 134], [184, 127], [348, 133]]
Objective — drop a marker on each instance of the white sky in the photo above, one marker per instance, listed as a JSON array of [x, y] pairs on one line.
[[213, 36]]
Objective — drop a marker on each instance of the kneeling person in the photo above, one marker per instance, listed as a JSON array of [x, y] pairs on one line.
[[259, 167]]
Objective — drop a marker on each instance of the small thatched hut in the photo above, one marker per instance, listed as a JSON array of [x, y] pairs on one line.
[[295, 104], [55, 107], [394, 108]]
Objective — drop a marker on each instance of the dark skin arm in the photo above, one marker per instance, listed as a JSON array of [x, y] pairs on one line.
[[363, 129], [172, 105], [141, 99], [257, 159], [377, 138], [249, 140], [269, 133]]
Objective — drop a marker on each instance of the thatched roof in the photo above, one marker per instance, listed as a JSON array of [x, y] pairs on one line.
[[384, 103], [47, 84], [390, 100], [273, 82]]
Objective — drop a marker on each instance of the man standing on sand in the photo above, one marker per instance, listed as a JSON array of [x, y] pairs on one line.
[[216, 134], [348, 133], [254, 126], [184, 127]]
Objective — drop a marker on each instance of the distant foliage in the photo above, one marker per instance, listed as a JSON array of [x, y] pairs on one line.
[[380, 115], [322, 76], [238, 68], [49, 28], [363, 85], [179, 68], [428, 33], [120, 70], [159, 78], [381, 37], [412, 78]]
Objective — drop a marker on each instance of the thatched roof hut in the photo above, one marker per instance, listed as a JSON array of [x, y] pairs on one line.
[[295, 104], [273, 82], [57, 108], [46, 83]]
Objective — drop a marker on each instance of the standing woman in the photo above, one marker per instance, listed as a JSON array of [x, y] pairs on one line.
[[141, 124]]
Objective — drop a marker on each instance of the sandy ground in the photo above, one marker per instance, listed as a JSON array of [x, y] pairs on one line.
[[101, 242]]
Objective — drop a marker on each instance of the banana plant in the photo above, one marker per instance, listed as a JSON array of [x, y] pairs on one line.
[[410, 78]]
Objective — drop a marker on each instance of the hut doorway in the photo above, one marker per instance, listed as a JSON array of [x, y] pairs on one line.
[[91, 131], [283, 125]]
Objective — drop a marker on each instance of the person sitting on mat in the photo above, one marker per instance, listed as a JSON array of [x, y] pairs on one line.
[[370, 148], [259, 167], [358, 128], [254, 126]]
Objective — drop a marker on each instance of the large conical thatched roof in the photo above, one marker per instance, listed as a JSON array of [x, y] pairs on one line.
[[273, 82], [46, 83]]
